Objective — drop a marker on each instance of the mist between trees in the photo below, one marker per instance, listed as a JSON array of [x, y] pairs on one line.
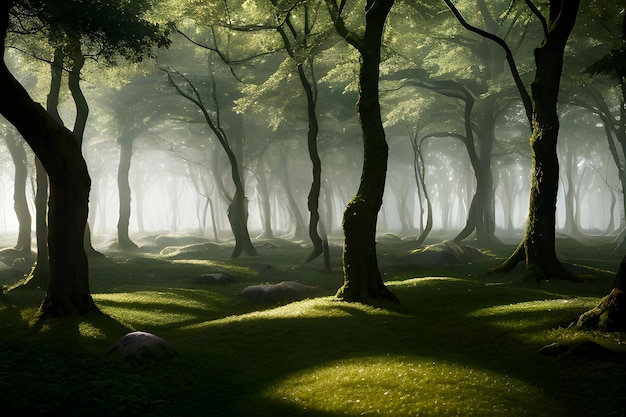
[[179, 174], [237, 119]]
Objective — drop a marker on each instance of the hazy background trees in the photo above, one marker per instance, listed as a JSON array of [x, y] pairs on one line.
[[457, 132]]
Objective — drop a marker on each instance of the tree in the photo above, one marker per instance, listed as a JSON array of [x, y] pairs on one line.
[[538, 246], [237, 208], [362, 278], [20, 203], [58, 148], [610, 314]]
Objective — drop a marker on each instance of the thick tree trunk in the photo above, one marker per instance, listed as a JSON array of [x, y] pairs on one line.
[[20, 203], [538, 245], [123, 185], [362, 279], [68, 289], [40, 274], [58, 150]]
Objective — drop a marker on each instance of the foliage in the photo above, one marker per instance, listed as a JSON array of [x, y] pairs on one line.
[[111, 28]]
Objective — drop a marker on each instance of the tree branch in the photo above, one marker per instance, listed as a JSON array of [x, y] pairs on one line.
[[526, 100], [539, 16]]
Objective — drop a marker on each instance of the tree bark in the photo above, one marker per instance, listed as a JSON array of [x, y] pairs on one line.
[[123, 185], [20, 203], [362, 279], [538, 245], [68, 287]]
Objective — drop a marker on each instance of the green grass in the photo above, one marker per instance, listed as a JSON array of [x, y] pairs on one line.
[[460, 343]]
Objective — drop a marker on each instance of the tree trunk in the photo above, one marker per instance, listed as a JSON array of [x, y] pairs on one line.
[[20, 203], [316, 184], [265, 205], [610, 314], [123, 186], [238, 217], [58, 150], [40, 274], [82, 114], [362, 279], [420, 177], [538, 245]]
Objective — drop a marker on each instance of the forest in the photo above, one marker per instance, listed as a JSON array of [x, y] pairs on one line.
[[313, 207]]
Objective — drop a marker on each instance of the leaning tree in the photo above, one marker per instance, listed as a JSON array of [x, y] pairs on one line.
[[57, 147]]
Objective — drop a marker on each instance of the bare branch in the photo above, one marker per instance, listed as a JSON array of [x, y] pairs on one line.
[[526, 100], [539, 16]]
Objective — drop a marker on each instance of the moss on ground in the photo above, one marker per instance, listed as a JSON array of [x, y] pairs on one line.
[[460, 343]]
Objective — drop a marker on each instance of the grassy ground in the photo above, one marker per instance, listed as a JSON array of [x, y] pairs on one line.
[[460, 343]]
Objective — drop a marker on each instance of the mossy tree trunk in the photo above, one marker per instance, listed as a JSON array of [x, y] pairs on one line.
[[68, 288], [538, 246], [610, 314], [362, 279]]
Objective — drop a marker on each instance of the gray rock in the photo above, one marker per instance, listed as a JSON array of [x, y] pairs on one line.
[[283, 291], [212, 279], [141, 346]]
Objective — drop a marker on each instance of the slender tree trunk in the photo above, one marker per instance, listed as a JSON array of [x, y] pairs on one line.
[[20, 203], [292, 204], [420, 178], [265, 205], [82, 114], [123, 185]]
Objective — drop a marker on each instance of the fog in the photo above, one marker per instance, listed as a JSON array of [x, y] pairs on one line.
[[180, 175]]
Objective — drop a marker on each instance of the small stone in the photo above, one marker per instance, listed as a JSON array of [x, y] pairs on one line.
[[211, 279]]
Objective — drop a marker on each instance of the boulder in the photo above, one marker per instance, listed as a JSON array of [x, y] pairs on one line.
[[141, 346]]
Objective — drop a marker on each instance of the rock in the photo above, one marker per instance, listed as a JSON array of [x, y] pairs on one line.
[[142, 346], [212, 279], [283, 291]]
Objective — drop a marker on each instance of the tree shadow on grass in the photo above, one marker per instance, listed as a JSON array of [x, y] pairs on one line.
[[265, 349]]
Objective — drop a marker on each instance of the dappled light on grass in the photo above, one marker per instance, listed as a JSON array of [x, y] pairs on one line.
[[87, 329], [222, 266], [314, 308], [411, 386], [543, 312], [159, 308]]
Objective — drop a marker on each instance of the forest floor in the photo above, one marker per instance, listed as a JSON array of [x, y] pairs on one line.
[[460, 343]]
